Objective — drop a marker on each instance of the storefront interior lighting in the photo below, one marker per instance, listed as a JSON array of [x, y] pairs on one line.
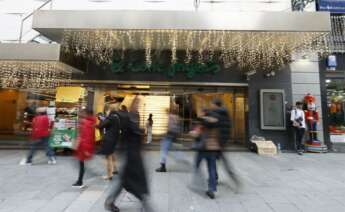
[[247, 50]]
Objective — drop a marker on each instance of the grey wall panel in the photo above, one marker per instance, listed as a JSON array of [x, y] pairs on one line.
[[302, 89], [29, 51], [308, 78], [281, 81], [304, 66]]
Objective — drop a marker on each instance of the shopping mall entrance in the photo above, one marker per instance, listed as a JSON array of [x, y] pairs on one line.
[[188, 100]]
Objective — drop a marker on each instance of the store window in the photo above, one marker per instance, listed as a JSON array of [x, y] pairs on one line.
[[336, 107], [187, 102], [17, 109]]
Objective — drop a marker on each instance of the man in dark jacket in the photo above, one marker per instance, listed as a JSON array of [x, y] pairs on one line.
[[224, 127], [208, 149]]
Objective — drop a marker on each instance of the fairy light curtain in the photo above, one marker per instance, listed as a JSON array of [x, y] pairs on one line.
[[34, 75], [250, 51]]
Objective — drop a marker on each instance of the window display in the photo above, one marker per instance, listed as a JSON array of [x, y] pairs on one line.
[[336, 108]]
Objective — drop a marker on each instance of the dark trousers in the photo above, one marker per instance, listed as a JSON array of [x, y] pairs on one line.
[[299, 138], [81, 171], [42, 142], [210, 158]]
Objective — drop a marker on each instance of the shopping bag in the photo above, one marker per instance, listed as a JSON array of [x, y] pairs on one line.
[[97, 135]]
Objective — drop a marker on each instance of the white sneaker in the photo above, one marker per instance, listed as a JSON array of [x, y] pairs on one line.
[[24, 162], [52, 161]]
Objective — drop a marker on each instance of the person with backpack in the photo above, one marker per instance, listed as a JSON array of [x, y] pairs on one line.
[[298, 122], [41, 127], [111, 128]]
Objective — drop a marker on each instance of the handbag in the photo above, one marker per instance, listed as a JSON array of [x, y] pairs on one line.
[[98, 136]]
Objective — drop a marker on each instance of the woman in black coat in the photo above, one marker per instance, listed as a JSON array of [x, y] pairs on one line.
[[111, 126], [133, 176]]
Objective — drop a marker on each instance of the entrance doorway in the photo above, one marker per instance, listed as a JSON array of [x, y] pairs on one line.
[[189, 102]]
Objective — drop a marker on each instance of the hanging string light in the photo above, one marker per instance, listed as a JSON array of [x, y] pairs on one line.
[[31, 74], [248, 50]]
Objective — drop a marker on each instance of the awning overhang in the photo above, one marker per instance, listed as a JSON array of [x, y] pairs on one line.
[[251, 40], [53, 23]]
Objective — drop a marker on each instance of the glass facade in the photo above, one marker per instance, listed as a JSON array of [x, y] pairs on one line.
[[335, 82]]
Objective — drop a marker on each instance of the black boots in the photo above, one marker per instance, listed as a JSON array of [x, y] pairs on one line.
[[162, 168], [210, 194]]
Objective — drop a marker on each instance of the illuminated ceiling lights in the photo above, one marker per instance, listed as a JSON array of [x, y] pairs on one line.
[[247, 50], [33, 74]]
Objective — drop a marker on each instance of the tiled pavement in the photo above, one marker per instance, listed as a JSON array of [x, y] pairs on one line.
[[285, 183]]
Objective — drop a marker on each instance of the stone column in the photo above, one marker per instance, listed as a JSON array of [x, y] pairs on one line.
[[305, 78]]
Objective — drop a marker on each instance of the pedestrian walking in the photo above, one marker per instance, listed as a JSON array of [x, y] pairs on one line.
[[298, 122], [171, 136], [84, 147], [207, 147], [41, 127], [111, 128], [132, 176], [223, 125], [149, 125]]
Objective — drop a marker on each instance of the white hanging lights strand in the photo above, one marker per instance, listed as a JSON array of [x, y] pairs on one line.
[[249, 50]]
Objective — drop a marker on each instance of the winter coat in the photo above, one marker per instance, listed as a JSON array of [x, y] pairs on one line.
[[223, 124], [209, 139], [86, 138], [133, 175], [112, 132], [40, 127]]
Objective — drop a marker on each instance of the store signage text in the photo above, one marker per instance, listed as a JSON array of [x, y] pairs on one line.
[[190, 70], [333, 6]]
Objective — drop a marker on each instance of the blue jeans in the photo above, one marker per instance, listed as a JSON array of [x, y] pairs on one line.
[[210, 158], [166, 144], [42, 142]]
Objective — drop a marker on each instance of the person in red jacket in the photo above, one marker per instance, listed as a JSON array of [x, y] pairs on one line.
[[40, 136], [84, 149]]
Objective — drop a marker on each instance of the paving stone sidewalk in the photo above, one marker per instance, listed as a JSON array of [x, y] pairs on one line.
[[284, 183]]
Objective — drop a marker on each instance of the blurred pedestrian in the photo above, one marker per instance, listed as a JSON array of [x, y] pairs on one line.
[[207, 146], [133, 176], [298, 122], [84, 147], [111, 128], [149, 125], [41, 127], [171, 136], [223, 125]]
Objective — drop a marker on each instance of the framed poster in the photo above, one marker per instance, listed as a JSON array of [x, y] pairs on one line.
[[272, 109]]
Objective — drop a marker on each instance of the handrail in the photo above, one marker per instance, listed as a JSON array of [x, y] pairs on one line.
[[31, 14]]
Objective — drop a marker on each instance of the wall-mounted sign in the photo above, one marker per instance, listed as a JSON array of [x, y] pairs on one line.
[[333, 6], [332, 61], [272, 108]]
